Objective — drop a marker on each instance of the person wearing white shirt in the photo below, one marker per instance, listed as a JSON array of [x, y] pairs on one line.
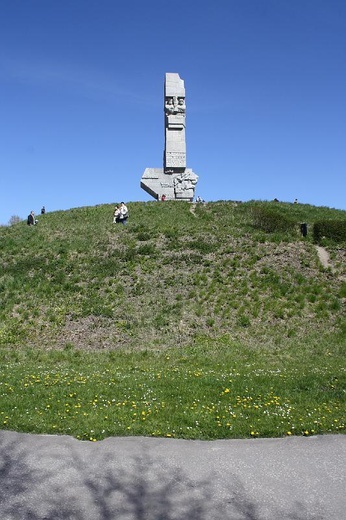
[[124, 213]]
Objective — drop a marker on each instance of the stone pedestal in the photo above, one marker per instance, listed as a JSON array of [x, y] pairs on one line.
[[175, 186]]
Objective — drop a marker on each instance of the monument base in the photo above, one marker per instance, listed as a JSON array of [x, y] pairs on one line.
[[175, 186]]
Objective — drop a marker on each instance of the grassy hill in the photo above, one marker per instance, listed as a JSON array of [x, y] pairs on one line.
[[175, 274], [180, 280]]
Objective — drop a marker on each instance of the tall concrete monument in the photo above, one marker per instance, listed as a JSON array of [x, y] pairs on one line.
[[174, 181]]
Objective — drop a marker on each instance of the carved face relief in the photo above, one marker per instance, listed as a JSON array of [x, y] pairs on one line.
[[174, 104], [169, 105], [181, 105]]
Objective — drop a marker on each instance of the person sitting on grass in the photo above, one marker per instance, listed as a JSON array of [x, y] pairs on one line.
[[116, 214]]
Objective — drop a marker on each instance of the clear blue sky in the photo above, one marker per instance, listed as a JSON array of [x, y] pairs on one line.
[[81, 99]]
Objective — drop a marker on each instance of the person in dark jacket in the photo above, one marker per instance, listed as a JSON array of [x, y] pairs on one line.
[[31, 219]]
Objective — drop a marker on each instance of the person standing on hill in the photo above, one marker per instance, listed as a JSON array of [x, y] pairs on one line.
[[31, 221]]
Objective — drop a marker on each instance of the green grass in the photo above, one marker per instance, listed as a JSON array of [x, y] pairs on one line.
[[209, 391], [189, 322]]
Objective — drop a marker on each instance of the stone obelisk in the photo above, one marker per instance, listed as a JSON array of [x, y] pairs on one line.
[[174, 181]]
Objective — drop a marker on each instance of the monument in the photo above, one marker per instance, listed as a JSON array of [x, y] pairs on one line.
[[174, 181]]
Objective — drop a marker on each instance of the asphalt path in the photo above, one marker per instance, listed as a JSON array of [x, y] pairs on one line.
[[44, 477]]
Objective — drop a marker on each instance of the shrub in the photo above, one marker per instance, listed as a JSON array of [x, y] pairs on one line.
[[270, 221], [14, 220], [331, 229]]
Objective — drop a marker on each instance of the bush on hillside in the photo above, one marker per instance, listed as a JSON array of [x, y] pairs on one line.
[[331, 229], [15, 219], [270, 221]]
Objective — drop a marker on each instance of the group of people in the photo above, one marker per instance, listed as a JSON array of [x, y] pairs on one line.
[[121, 214]]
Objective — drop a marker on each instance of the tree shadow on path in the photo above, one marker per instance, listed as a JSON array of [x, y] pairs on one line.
[[59, 478]]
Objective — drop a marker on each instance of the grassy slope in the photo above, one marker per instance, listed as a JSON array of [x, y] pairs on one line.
[[233, 299], [167, 279]]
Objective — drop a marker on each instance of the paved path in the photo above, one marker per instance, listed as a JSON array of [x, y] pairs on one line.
[[135, 478]]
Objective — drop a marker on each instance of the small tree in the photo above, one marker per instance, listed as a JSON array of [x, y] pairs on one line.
[[14, 220]]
